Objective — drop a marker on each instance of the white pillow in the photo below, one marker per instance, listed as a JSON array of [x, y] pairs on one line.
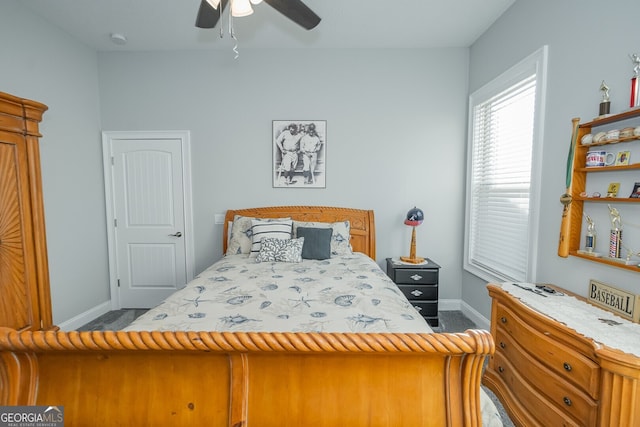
[[268, 228], [340, 236], [239, 239]]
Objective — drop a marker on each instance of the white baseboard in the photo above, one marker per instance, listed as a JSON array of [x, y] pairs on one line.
[[477, 318], [86, 317], [459, 305]]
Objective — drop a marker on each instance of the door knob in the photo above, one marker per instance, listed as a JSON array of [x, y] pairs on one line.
[[178, 234]]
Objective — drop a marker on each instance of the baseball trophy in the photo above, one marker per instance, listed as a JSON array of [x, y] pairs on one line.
[[615, 237], [590, 241], [605, 104], [635, 89]]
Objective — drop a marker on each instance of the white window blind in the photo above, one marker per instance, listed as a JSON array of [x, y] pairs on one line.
[[499, 191]]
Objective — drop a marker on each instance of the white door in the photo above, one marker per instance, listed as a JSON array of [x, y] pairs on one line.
[[149, 217]]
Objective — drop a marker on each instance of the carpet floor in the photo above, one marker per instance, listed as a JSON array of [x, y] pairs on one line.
[[450, 321]]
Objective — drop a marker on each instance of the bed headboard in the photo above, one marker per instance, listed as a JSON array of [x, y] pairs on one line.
[[363, 233]]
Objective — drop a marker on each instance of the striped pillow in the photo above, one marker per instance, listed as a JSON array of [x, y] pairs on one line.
[[272, 228]]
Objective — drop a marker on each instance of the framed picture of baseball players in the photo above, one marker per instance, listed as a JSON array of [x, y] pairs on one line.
[[299, 153]]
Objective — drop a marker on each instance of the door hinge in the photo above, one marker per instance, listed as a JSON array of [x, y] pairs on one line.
[[113, 161], [115, 222], [118, 282]]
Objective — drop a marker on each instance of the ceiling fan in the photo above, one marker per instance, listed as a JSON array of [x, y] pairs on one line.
[[210, 11]]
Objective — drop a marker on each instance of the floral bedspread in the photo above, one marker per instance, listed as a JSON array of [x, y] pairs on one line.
[[348, 293]]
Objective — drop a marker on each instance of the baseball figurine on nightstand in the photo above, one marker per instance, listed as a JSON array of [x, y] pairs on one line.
[[414, 218], [417, 277]]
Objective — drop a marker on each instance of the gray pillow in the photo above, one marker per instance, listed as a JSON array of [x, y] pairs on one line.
[[317, 242]]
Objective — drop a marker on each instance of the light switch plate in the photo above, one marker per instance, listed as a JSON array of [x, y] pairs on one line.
[[218, 219]]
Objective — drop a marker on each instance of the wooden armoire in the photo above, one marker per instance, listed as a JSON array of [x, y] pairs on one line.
[[24, 272]]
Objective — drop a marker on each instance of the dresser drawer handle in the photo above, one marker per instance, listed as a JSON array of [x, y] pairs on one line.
[[416, 292], [502, 345], [567, 401], [417, 308], [416, 277], [500, 369], [503, 319], [567, 367]]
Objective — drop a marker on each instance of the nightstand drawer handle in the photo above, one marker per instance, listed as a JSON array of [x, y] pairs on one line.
[[416, 292], [502, 345], [416, 277], [567, 367], [567, 401], [417, 308], [503, 319], [501, 369]]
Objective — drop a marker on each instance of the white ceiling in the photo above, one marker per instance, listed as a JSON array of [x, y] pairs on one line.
[[169, 24]]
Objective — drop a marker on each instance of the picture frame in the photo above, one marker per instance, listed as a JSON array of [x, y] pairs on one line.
[[635, 194], [613, 189], [622, 159], [299, 150]]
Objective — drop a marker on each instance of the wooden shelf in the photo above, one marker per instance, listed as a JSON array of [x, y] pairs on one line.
[[571, 229], [612, 118], [608, 168], [608, 199], [607, 261]]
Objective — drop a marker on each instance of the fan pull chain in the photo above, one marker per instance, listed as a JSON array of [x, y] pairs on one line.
[[232, 32]]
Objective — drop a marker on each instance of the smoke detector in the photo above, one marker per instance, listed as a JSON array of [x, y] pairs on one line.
[[118, 38]]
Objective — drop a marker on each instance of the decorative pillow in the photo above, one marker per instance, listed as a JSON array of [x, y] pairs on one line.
[[278, 250], [240, 235], [272, 228], [317, 242], [339, 238]]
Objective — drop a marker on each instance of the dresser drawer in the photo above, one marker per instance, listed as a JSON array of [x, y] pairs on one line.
[[539, 406], [427, 292], [426, 309], [567, 363], [416, 276], [564, 395]]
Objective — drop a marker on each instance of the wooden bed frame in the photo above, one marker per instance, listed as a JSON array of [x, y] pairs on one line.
[[251, 379]]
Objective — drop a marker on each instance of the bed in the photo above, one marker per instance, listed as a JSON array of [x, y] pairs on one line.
[[384, 367]]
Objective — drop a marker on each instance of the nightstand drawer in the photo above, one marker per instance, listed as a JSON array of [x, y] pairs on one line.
[[426, 309], [416, 276], [427, 292]]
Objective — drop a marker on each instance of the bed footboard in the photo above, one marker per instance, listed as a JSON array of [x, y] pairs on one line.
[[247, 379]]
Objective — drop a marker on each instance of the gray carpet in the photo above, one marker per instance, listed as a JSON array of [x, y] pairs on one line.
[[450, 321], [113, 320]]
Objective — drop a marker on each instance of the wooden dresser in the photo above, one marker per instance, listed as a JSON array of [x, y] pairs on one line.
[[547, 374], [24, 273]]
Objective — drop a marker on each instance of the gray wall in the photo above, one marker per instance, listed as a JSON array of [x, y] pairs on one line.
[[588, 41], [42, 63], [396, 124]]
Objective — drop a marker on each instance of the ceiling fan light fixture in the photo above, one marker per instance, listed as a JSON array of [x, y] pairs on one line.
[[240, 8], [255, 1]]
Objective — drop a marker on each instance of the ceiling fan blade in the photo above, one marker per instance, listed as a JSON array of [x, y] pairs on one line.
[[208, 16], [297, 11]]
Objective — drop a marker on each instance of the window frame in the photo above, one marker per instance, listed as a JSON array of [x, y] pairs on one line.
[[536, 63]]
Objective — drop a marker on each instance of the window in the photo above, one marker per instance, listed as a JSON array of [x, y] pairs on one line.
[[503, 173]]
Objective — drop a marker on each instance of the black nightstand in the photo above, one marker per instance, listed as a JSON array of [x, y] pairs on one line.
[[419, 283]]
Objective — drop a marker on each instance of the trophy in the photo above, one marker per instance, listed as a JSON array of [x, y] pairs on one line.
[[590, 240], [615, 237], [605, 104], [635, 89]]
